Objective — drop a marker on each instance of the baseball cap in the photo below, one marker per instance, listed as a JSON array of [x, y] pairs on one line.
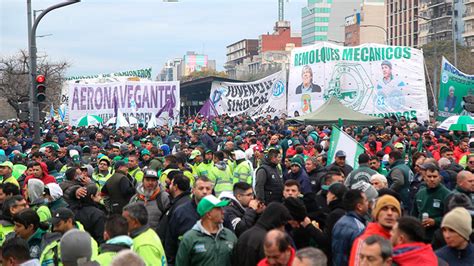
[[208, 203], [398, 145], [7, 164], [61, 214], [340, 153], [194, 154], [150, 173], [145, 152], [119, 164]]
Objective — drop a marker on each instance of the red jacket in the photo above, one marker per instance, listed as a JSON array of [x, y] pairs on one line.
[[46, 177], [372, 229], [458, 153], [264, 262], [378, 147], [414, 254]]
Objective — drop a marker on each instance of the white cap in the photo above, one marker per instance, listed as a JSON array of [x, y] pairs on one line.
[[239, 155]]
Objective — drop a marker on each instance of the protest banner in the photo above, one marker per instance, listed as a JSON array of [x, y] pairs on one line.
[[374, 79], [263, 97], [341, 141], [141, 100], [453, 87]]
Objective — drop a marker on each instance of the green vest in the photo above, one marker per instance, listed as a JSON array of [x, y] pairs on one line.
[[148, 246], [106, 258], [12, 180], [137, 173], [222, 179], [243, 173], [5, 229], [203, 169], [101, 179], [51, 255]]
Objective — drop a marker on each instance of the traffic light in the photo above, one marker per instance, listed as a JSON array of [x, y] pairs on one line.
[[40, 88], [469, 103]]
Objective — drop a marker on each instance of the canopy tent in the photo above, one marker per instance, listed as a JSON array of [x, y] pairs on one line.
[[334, 112]]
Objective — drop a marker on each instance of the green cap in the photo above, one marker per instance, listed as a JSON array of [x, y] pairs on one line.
[[145, 152], [7, 164], [194, 154], [208, 203], [296, 160]]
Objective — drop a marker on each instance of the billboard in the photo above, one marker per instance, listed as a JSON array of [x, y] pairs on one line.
[[453, 87], [194, 63], [373, 79], [140, 99]]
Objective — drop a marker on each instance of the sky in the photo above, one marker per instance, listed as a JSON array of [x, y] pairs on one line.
[[105, 36]]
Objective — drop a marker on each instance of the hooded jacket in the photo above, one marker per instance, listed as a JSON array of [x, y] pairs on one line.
[[249, 250], [302, 177], [372, 229], [46, 178], [37, 202], [236, 217], [156, 204], [110, 248], [414, 254]]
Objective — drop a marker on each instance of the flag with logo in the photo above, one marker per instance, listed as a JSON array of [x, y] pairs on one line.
[[341, 141]]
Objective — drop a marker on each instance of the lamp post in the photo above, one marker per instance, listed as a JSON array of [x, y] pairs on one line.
[[378, 27], [453, 24], [34, 106], [435, 55]]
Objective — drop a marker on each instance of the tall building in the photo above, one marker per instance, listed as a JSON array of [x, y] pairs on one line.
[[279, 39], [366, 26], [191, 62], [436, 21], [402, 22], [468, 19], [323, 20], [237, 53]]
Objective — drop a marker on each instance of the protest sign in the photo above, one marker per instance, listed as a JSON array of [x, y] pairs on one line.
[[263, 97], [453, 87], [141, 100], [374, 79]]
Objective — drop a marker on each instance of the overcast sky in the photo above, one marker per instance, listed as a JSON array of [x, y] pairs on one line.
[[103, 36]]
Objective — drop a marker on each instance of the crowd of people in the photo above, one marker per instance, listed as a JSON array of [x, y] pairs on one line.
[[235, 191]]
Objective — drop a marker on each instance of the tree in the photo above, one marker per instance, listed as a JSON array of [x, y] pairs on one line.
[[202, 74], [445, 48], [15, 80]]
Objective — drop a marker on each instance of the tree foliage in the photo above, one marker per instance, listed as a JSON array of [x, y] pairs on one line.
[[202, 74], [15, 79]]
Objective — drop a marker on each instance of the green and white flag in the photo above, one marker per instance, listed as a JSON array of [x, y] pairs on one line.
[[341, 141]]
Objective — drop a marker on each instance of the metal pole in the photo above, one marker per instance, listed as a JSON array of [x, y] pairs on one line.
[[455, 42], [435, 65], [34, 110]]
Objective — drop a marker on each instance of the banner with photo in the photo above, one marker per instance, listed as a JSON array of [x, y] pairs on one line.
[[259, 98], [373, 79], [141, 100], [453, 87]]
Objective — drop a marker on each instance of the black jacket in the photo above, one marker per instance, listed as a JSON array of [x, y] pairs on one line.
[[346, 169], [119, 188], [336, 212], [316, 177], [268, 182], [165, 219], [181, 221], [236, 217], [93, 220], [249, 248]]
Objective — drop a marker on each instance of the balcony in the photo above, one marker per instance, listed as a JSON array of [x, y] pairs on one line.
[[468, 15], [468, 32]]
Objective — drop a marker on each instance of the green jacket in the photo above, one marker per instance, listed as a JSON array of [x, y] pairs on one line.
[[12, 180], [431, 201], [222, 177], [51, 256], [459, 190], [204, 168], [137, 173], [199, 247], [100, 178], [109, 249], [6, 227], [243, 172], [147, 245], [399, 181]]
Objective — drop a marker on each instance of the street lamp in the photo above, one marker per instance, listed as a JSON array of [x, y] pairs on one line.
[[34, 106], [378, 27]]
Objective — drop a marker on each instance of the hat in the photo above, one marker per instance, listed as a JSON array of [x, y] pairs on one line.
[[105, 158], [119, 164], [239, 155], [194, 154], [124, 147], [61, 214], [54, 190], [150, 173], [208, 151], [337, 189], [7, 164], [296, 160], [387, 200], [75, 247], [208, 203], [459, 220], [367, 188], [296, 207], [398, 145], [340, 153], [145, 152]]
